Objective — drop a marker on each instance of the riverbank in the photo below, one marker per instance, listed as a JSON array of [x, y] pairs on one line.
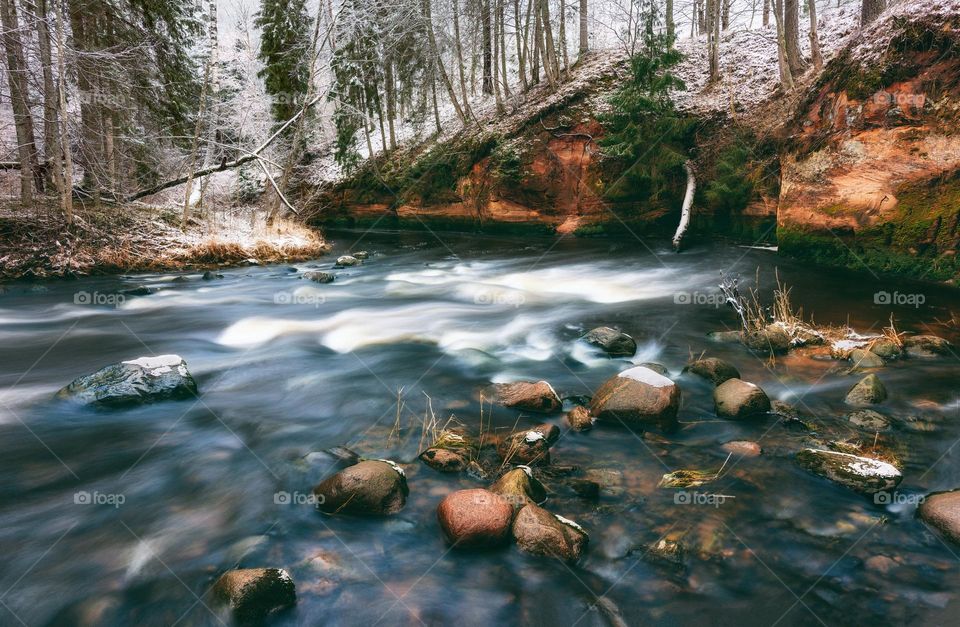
[[143, 238]]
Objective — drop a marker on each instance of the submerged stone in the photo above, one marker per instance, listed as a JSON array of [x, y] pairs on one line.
[[475, 518], [861, 474], [319, 277], [869, 420], [520, 487], [861, 358], [139, 380], [346, 261], [579, 418], [535, 396], [715, 370], [735, 398], [539, 532], [942, 512]]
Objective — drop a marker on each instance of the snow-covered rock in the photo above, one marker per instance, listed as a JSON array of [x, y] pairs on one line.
[[139, 380]]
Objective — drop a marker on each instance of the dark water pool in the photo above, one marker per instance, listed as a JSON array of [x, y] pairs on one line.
[[288, 368]]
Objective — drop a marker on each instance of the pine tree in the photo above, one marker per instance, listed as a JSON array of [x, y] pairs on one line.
[[284, 50], [646, 135]]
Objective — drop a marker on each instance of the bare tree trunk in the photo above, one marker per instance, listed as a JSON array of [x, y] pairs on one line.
[[391, 94], [815, 54], [495, 56], [65, 151], [791, 25], [870, 10], [685, 212], [563, 39], [458, 48], [786, 76], [725, 20], [550, 51], [584, 44], [521, 46], [188, 199], [50, 124], [668, 16], [537, 37], [432, 39], [502, 22], [19, 99], [766, 13], [713, 38], [487, 46]]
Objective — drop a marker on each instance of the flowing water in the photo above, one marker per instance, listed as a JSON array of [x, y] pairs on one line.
[[179, 491]]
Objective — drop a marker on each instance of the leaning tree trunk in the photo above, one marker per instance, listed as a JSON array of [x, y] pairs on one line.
[[685, 212]]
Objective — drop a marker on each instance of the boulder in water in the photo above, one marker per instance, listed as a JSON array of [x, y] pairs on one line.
[[525, 447], [444, 460], [869, 391], [735, 398], [637, 397], [942, 512], [210, 276], [869, 420], [475, 518], [923, 345], [345, 261], [886, 349], [539, 532], [613, 342], [535, 396], [361, 255], [773, 338], [715, 370], [743, 448], [861, 359], [319, 277], [370, 488], [255, 593], [520, 487], [579, 418], [861, 474], [139, 380]]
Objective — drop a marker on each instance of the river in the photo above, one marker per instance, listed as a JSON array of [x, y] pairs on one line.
[[127, 516]]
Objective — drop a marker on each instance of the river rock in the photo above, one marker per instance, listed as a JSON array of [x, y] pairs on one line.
[[539, 532], [613, 342], [637, 397], [743, 448], [475, 518], [926, 344], [520, 487], [444, 460], [579, 418], [535, 396], [942, 512], [869, 420], [713, 369], [372, 487], [210, 276], [869, 391], [137, 381], [886, 349], [526, 447], [735, 398], [255, 593], [773, 338], [861, 358], [660, 369], [346, 261], [551, 433], [319, 277], [361, 254], [724, 336], [861, 474]]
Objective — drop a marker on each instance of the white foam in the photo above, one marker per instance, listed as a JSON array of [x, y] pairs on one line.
[[646, 375]]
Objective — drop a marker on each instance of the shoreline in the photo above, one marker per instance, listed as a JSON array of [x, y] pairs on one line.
[[142, 238]]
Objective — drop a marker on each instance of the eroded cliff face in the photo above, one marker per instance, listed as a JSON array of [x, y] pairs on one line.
[[871, 182]]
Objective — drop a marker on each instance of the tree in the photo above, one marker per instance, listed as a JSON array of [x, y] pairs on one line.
[[285, 51], [791, 25], [584, 44], [17, 79], [786, 75], [870, 10], [816, 56]]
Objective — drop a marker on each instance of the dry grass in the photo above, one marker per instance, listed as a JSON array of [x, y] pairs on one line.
[[139, 237]]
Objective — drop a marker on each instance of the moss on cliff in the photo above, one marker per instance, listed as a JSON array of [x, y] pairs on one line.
[[920, 240]]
